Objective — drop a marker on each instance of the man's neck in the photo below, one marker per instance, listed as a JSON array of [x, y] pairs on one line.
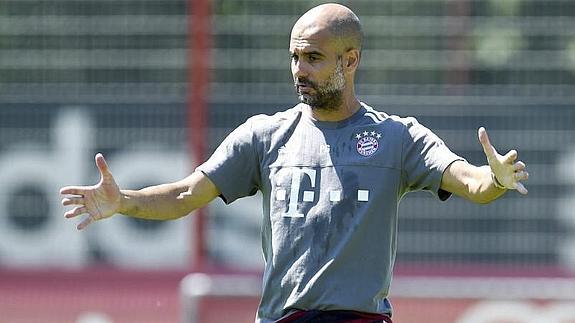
[[344, 111]]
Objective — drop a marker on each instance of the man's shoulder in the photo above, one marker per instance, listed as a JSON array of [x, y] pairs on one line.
[[396, 121], [264, 122]]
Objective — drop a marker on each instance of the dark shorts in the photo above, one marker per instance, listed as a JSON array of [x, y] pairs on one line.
[[315, 316]]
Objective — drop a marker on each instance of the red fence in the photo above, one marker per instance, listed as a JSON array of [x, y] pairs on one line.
[[94, 296], [99, 296]]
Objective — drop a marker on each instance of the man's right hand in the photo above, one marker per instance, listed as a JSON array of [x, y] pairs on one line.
[[99, 201]]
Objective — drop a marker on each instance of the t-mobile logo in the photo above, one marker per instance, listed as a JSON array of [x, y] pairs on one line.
[[297, 177]]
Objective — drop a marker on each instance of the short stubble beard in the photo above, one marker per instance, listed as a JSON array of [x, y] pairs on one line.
[[329, 96]]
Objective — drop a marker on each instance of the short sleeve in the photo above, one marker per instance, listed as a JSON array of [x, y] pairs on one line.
[[425, 158], [234, 166]]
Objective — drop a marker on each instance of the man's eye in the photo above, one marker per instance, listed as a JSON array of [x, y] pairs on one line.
[[293, 58], [313, 58]]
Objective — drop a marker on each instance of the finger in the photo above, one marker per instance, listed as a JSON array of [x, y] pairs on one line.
[[521, 176], [510, 157], [102, 166], [76, 211], [521, 189], [87, 221], [488, 149], [518, 166], [73, 190], [73, 201]]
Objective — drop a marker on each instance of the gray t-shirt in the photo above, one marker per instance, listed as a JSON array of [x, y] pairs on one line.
[[330, 196]]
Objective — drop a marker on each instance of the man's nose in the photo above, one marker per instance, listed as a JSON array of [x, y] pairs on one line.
[[299, 69]]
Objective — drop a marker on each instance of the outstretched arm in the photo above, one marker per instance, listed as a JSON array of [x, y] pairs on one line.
[[161, 202], [486, 183]]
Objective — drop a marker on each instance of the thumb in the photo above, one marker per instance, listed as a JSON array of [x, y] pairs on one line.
[[102, 166], [488, 149]]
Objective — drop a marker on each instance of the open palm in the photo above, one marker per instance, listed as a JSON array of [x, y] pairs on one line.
[[98, 201]]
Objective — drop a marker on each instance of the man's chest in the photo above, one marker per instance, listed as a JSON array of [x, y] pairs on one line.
[[315, 172]]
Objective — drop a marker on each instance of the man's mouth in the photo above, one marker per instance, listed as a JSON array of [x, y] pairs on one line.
[[303, 87]]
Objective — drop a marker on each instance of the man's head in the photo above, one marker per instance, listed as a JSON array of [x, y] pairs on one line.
[[325, 47]]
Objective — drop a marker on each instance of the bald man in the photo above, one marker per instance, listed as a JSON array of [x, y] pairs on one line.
[[331, 170]]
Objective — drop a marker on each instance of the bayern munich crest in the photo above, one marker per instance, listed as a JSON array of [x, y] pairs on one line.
[[367, 142]]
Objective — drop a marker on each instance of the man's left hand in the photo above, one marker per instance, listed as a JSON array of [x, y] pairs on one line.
[[506, 171]]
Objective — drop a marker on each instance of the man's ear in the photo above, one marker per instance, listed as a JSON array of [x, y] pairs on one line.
[[352, 57]]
